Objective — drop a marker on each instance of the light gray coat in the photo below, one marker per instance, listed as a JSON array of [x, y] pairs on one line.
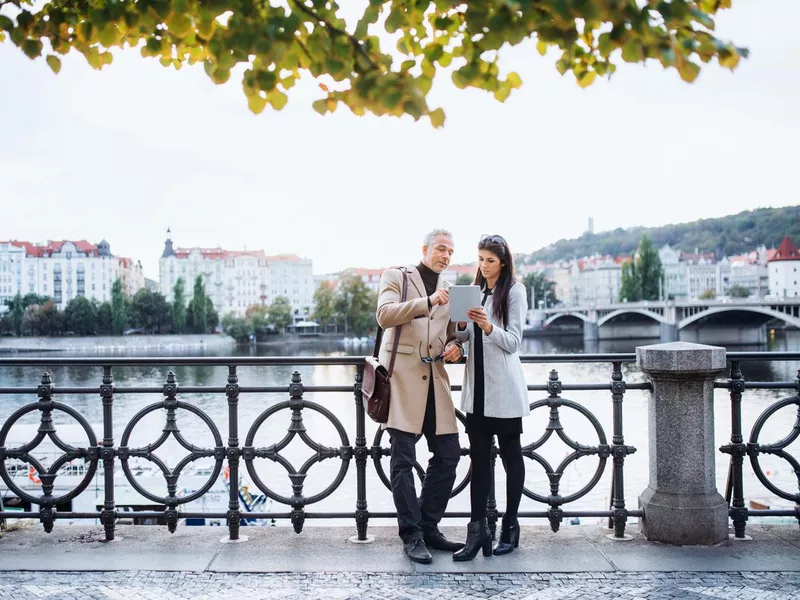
[[505, 390]]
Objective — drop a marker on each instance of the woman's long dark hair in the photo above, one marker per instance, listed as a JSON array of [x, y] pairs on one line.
[[499, 247]]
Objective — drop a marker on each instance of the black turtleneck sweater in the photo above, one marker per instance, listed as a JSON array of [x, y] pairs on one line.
[[429, 277]]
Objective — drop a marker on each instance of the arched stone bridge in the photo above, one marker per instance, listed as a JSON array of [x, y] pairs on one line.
[[716, 321]]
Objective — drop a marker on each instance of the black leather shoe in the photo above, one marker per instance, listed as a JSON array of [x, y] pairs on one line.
[[436, 540], [417, 551]]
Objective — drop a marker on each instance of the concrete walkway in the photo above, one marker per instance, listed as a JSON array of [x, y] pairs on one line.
[[577, 562]]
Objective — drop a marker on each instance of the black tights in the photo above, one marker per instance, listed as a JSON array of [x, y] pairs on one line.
[[480, 445]]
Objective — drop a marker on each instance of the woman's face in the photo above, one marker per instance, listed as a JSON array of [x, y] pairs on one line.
[[489, 264]]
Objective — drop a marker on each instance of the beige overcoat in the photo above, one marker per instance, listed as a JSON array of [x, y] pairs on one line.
[[425, 331]]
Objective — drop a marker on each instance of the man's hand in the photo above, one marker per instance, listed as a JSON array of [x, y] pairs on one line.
[[441, 296], [453, 352]]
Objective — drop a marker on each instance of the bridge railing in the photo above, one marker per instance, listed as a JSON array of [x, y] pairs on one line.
[[237, 451]]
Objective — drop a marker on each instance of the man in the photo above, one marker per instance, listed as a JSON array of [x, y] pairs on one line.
[[421, 403]]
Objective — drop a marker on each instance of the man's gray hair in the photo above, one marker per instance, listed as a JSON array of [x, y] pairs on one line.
[[432, 235]]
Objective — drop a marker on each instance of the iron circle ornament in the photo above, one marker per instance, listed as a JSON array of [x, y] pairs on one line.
[[171, 476], [754, 449], [297, 429], [47, 476], [602, 450], [378, 453]]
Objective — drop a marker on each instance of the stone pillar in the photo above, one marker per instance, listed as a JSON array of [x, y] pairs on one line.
[[681, 504], [589, 331]]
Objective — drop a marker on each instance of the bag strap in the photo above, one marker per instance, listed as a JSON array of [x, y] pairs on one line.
[[379, 336]]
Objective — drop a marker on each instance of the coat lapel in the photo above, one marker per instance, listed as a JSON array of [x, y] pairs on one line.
[[416, 280]]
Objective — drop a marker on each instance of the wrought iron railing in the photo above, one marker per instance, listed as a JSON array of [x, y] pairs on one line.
[[754, 448], [231, 453]]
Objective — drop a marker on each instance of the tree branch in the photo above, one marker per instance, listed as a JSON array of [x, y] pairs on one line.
[[336, 31]]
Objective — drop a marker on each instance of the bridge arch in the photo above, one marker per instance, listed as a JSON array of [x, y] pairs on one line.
[[752, 309], [562, 315], [626, 311]]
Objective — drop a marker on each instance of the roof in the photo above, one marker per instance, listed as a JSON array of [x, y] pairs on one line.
[[218, 253], [46, 250], [284, 257], [786, 251]]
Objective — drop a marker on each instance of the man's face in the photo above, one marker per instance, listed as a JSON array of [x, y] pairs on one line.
[[437, 256]]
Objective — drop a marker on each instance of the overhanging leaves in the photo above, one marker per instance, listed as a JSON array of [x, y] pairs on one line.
[[357, 65]]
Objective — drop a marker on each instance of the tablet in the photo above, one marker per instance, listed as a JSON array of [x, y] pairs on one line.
[[462, 298]]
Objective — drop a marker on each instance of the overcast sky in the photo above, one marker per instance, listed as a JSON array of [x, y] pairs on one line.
[[125, 152]]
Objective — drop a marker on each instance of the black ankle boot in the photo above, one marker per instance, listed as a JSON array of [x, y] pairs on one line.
[[478, 537], [509, 536]]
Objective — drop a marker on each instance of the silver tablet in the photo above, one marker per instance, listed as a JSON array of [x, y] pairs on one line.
[[462, 298]]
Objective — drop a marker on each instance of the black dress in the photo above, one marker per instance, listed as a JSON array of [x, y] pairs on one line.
[[476, 421]]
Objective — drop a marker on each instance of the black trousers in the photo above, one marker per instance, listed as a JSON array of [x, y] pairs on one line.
[[416, 516]]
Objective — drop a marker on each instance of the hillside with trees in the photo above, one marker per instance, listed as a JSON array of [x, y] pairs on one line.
[[725, 236]]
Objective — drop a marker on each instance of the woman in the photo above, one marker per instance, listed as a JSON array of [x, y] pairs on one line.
[[494, 395]]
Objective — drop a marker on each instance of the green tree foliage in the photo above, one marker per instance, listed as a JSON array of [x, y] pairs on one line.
[[33, 299], [81, 316], [729, 235], [178, 307], [212, 317], [355, 305], [325, 304], [630, 289], [150, 311], [738, 291], [642, 274], [237, 327], [648, 269], [539, 288], [196, 314], [278, 43], [44, 319], [708, 294], [18, 315], [6, 324], [17, 305], [464, 279], [119, 316], [279, 313], [258, 320], [104, 319]]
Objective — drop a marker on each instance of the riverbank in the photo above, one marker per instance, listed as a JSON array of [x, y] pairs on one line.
[[120, 343]]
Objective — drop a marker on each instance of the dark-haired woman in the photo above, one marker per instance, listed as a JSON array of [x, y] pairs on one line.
[[494, 395]]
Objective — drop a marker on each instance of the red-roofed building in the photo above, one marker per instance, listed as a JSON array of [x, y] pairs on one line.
[[784, 270], [62, 270], [237, 279]]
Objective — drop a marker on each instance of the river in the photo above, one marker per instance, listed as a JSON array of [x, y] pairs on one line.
[[342, 405]]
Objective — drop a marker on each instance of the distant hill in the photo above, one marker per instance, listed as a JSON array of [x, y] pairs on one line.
[[725, 236]]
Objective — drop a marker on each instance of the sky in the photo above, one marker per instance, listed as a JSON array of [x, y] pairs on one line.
[[126, 152]]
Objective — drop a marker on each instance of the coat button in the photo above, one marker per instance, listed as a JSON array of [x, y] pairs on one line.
[[430, 346], [424, 377]]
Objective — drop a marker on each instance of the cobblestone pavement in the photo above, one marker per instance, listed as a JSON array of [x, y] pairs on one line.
[[155, 585]]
